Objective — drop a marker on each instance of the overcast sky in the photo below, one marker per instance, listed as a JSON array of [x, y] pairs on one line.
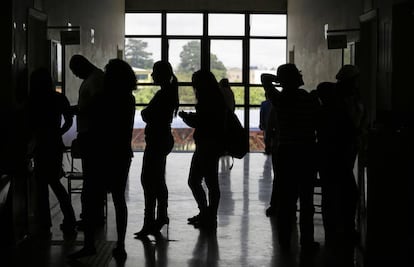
[[264, 53]]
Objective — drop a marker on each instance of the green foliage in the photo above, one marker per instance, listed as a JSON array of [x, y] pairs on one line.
[[216, 64], [190, 62], [219, 74], [144, 94], [256, 95], [186, 95], [238, 95], [190, 57], [184, 76], [136, 55]]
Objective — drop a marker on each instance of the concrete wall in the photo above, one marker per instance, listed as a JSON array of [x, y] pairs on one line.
[[306, 40], [206, 5], [106, 17]]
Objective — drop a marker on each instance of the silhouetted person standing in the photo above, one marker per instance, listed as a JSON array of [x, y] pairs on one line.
[[208, 122], [295, 109], [118, 114], [159, 141], [116, 109], [339, 131], [86, 116], [266, 123], [46, 107]]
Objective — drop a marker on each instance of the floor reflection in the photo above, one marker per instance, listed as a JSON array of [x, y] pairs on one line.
[[244, 237]]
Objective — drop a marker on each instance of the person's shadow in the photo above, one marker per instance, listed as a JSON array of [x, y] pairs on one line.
[[155, 252], [206, 250]]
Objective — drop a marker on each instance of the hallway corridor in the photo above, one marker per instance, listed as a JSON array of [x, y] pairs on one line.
[[245, 236]]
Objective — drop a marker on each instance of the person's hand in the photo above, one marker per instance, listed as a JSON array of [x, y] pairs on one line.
[[182, 113]]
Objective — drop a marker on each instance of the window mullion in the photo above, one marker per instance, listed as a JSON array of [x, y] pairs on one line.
[[246, 71], [164, 39], [205, 44]]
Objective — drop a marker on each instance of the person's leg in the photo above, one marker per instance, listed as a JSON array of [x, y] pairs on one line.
[[328, 172], [271, 211], [61, 194], [41, 175], [195, 182], [59, 190], [288, 190], [306, 212], [149, 165], [161, 191], [88, 150], [118, 184], [94, 193], [211, 166], [348, 204], [307, 178]]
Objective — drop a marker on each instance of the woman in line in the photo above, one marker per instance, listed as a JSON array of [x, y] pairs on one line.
[[113, 154], [158, 116], [208, 122], [45, 110]]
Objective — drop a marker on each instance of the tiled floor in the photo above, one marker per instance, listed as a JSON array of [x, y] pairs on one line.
[[245, 236]]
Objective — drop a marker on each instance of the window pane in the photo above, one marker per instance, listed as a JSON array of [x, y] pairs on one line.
[[184, 24], [142, 24], [268, 25], [144, 94], [141, 53], [226, 59], [256, 95], [256, 139], [185, 58], [186, 95], [238, 94], [182, 133], [265, 57], [240, 115], [226, 24]]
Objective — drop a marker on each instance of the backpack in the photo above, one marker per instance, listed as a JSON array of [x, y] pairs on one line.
[[235, 137]]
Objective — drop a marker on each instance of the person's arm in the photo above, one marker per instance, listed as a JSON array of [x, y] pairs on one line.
[[189, 118], [67, 116], [269, 82]]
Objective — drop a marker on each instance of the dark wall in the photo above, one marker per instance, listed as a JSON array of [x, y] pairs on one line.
[[13, 93], [106, 17]]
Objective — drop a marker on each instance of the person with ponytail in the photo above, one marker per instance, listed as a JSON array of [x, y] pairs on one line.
[[159, 141]]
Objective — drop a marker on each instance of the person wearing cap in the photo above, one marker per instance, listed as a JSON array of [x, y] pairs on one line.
[[340, 127], [295, 118]]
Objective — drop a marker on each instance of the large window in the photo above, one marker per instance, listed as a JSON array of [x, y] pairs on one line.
[[239, 47]]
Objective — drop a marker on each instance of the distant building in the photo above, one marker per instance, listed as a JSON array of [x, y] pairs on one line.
[[236, 75], [143, 75]]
